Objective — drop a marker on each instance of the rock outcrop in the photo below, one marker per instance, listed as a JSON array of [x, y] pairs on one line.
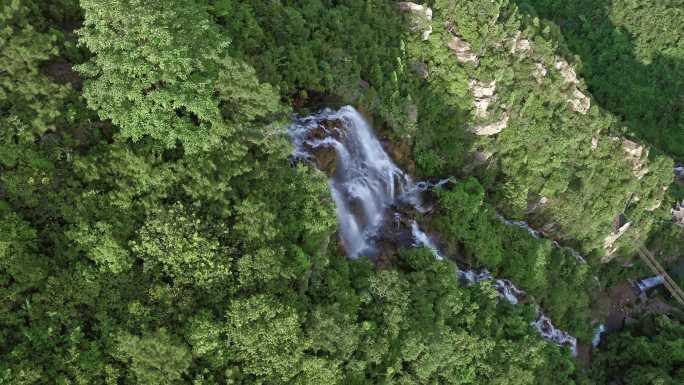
[[609, 241], [566, 71], [491, 128], [635, 154], [420, 69], [481, 157], [580, 102], [520, 45], [483, 93], [463, 51], [421, 18], [594, 142], [461, 48], [539, 72]]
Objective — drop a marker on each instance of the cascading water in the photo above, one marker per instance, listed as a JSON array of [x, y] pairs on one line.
[[650, 282], [365, 182], [598, 333], [366, 186], [539, 234]]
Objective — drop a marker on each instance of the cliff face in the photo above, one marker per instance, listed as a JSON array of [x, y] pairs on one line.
[[530, 111]]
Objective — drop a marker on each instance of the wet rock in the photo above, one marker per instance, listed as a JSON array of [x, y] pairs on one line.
[[491, 128], [326, 159], [400, 153], [463, 51], [421, 18], [580, 102], [50, 138], [679, 172]]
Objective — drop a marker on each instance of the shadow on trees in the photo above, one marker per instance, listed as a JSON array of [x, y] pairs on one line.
[[646, 93]]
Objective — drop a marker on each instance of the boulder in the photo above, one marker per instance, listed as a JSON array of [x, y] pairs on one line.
[[412, 113], [421, 69], [481, 157], [536, 205], [594, 142]]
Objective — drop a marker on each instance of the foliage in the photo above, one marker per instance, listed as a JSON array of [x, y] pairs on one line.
[[153, 230], [167, 74], [632, 59], [556, 279], [650, 352], [26, 94]]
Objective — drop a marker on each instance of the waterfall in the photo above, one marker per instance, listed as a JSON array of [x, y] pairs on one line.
[[551, 333], [367, 188], [598, 333], [650, 282], [422, 239], [365, 182], [538, 234]]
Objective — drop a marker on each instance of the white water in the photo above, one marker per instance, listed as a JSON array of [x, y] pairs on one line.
[[650, 282], [366, 184], [422, 239], [366, 181], [551, 333], [598, 333], [539, 234]]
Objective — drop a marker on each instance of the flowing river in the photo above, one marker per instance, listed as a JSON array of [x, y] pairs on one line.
[[374, 198]]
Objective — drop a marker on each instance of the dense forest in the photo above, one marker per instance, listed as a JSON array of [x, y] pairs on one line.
[[155, 227]]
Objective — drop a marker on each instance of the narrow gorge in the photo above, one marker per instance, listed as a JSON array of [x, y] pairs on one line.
[[376, 201]]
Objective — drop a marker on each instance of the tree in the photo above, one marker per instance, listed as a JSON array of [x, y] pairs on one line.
[[163, 71], [173, 244], [650, 352], [154, 358], [26, 94]]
